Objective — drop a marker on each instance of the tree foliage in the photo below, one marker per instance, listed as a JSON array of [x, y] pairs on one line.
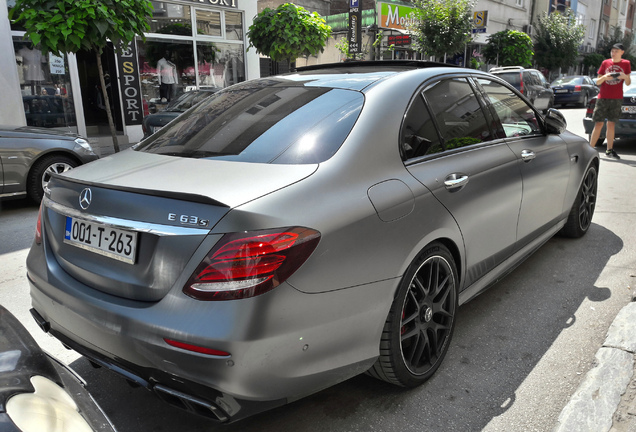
[[441, 27], [61, 26], [616, 35], [557, 40], [509, 48], [288, 32]]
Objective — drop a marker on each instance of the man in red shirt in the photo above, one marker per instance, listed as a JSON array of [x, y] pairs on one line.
[[612, 74]]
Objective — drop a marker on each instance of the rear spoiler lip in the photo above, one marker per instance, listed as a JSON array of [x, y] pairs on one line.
[[183, 196]]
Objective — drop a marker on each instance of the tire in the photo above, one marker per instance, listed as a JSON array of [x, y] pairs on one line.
[[421, 322], [40, 174], [580, 217], [586, 99]]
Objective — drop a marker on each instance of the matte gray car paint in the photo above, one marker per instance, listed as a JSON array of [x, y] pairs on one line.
[[324, 324]]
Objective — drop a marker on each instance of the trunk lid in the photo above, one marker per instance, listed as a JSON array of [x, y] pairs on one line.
[[147, 216]]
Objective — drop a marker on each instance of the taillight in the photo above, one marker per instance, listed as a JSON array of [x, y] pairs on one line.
[[577, 89], [38, 227], [590, 108], [248, 264]]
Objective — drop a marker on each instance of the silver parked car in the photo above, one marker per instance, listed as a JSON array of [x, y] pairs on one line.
[[30, 155], [291, 232]]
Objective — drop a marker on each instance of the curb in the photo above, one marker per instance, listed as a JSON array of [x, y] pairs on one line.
[[593, 405]]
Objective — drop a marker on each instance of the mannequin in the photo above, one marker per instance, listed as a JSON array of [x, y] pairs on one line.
[[168, 78], [32, 61]]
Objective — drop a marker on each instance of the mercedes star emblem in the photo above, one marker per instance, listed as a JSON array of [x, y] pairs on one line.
[[85, 198]]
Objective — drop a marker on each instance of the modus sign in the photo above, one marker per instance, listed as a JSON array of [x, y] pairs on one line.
[[130, 89]]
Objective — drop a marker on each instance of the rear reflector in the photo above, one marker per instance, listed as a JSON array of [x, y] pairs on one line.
[[196, 348], [247, 264]]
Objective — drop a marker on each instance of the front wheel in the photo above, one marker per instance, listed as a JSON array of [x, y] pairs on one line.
[[421, 321], [584, 102], [580, 217], [42, 171]]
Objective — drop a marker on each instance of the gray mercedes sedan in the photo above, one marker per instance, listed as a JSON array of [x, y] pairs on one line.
[[291, 232], [29, 156]]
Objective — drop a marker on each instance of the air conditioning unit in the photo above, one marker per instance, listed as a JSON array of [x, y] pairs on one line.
[[528, 29]]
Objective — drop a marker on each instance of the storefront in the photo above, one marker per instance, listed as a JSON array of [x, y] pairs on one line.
[[191, 44]]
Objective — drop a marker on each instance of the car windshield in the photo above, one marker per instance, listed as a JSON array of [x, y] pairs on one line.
[[513, 78], [267, 121], [572, 80]]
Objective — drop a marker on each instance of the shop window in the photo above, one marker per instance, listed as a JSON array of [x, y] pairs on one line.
[[226, 68], [168, 18], [208, 23], [45, 87], [233, 26], [167, 70]]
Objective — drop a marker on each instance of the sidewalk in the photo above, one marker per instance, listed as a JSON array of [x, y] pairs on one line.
[[606, 399]]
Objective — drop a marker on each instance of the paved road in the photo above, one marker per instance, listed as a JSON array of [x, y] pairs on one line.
[[519, 352]]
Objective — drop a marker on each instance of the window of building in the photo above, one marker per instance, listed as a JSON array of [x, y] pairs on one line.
[[175, 59], [45, 85], [591, 30]]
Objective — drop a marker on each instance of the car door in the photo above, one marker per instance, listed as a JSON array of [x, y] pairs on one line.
[[450, 148], [542, 160]]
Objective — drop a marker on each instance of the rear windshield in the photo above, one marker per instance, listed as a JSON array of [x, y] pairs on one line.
[[513, 78], [568, 80], [262, 122]]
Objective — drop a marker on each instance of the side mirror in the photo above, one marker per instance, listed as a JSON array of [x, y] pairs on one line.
[[555, 122]]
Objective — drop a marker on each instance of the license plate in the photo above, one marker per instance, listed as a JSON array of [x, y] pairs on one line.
[[561, 91], [156, 128], [98, 238], [631, 109]]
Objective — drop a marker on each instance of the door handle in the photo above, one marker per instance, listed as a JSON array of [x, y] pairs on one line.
[[527, 155], [455, 182]]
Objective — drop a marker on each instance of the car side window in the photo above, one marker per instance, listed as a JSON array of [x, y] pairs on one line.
[[457, 113], [419, 135], [517, 118]]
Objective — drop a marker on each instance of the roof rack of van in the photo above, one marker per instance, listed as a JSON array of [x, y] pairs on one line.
[[375, 63]]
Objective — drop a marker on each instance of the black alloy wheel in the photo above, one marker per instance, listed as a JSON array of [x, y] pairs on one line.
[[420, 325], [582, 211]]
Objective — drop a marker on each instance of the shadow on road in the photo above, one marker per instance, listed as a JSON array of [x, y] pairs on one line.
[[500, 338]]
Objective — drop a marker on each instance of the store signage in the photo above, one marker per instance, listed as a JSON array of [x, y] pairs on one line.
[[355, 28], [399, 40], [394, 16], [480, 19], [56, 64], [225, 3], [129, 83]]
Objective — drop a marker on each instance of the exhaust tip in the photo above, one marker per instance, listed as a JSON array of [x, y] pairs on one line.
[[40, 321]]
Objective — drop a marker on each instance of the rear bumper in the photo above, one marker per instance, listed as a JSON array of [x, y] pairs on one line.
[[625, 128], [283, 345], [565, 98]]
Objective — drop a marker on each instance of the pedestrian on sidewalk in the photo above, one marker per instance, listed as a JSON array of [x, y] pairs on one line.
[[612, 73]]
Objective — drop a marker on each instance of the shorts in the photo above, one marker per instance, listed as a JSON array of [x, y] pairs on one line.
[[609, 109]]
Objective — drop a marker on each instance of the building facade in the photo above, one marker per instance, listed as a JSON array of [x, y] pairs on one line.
[[191, 44]]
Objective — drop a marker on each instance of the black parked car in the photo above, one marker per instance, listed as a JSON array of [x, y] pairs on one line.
[[37, 391], [574, 89], [530, 82], [154, 122]]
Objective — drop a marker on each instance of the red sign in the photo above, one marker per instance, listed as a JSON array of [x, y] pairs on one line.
[[399, 40]]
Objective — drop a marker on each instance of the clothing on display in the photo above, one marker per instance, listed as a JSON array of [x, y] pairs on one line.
[[33, 62], [168, 77]]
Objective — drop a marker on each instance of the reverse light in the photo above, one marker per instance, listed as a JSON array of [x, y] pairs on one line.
[[38, 227], [248, 264]]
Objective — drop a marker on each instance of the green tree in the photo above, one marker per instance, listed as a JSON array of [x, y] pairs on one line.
[[71, 26], [592, 62], [288, 32], [556, 44], [441, 27], [508, 48], [616, 35]]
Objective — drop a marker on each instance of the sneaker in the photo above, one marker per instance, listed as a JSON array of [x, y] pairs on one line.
[[611, 153]]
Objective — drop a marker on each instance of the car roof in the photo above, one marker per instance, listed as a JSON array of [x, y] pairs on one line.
[[358, 75]]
